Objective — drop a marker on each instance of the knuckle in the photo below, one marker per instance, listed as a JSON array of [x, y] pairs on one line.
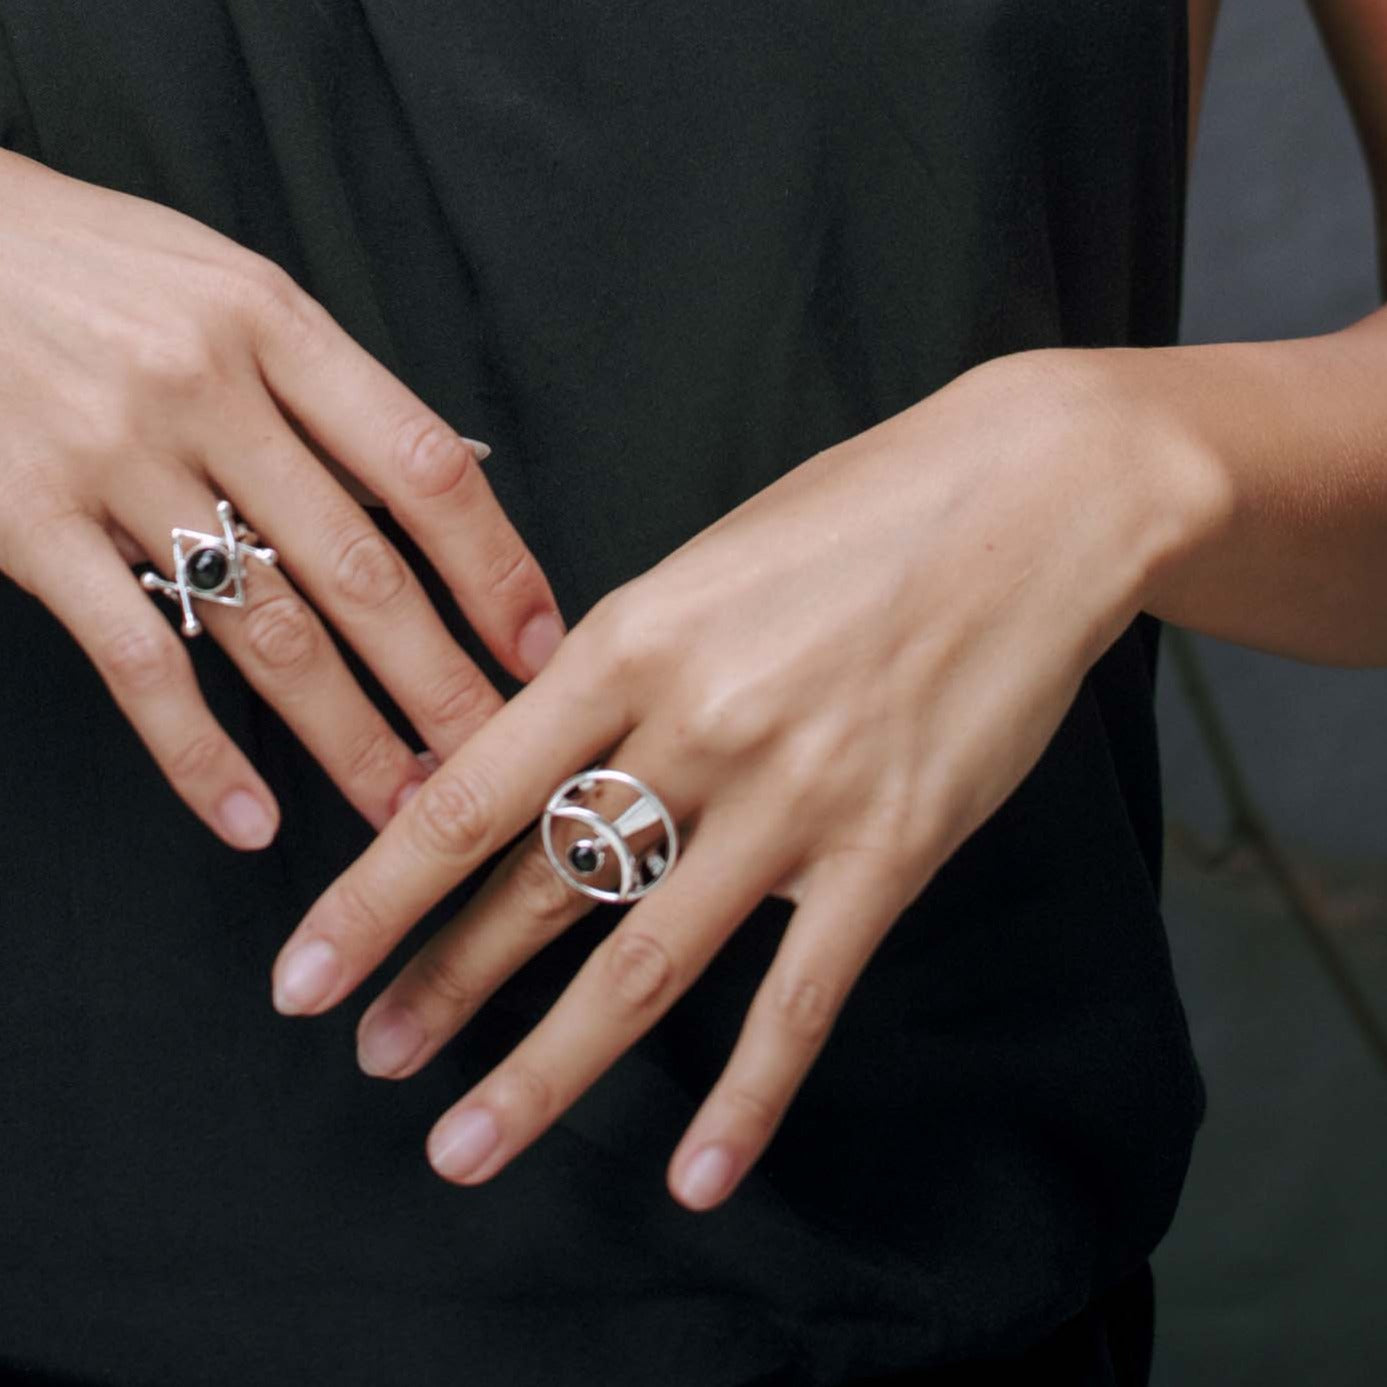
[[752, 1105], [356, 914], [269, 297], [523, 1086], [463, 695], [175, 362], [260, 276], [430, 458], [923, 821], [726, 723], [543, 898], [622, 630], [195, 758], [639, 969], [512, 570], [445, 978], [453, 811], [140, 660], [613, 618], [373, 753], [369, 571], [804, 1007], [282, 633]]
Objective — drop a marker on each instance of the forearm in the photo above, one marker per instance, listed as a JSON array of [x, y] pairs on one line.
[[1272, 459]]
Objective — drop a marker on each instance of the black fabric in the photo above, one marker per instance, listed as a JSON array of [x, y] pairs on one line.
[[1108, 1344], [656, 254]]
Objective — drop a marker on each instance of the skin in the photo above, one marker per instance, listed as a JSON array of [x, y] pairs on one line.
[[870, 655], [148, 366]]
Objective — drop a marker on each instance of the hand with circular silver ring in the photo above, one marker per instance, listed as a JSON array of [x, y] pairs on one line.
[[819, 697], [154, 375]]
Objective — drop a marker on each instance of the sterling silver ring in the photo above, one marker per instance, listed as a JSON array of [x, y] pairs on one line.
[[601, 843], [209, 567]]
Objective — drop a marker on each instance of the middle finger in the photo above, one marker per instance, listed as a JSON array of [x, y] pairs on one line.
[[358, 579]]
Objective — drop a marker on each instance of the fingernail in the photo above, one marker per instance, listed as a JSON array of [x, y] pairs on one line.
[[404, 794], [428, 763], [460, 1144], [707, 1176], [482, 450], [539, 638], [389, 1040], [245, 820], [305, 976]]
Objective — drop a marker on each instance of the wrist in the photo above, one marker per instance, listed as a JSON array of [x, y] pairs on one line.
[[1141, 468]]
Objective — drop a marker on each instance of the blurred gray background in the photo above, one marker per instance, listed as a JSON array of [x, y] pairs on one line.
[[1275, 1272]]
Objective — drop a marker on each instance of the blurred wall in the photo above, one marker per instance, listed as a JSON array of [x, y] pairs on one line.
[[1274, 1272]]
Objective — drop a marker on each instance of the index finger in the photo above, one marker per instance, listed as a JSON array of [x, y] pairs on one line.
[[491, 788], [427, 474]]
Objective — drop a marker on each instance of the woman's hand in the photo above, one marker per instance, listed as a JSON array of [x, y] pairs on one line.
[[831, 688], [149, 365]]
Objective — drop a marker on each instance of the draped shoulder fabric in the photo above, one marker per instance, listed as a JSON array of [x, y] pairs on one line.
[[656, 254]]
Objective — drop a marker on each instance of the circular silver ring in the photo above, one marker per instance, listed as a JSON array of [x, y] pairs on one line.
[[209, 567], [585, 856]]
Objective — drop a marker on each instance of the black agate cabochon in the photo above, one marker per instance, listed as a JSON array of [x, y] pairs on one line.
[[207, 569], [584, 857]]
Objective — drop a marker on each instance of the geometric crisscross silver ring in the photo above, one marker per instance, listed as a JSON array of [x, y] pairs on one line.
[[209, 567]]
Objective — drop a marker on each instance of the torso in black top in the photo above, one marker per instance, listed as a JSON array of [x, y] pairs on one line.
[[656, 254]]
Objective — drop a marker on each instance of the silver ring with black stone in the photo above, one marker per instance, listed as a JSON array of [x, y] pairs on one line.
[[210, 567], [609, 858]]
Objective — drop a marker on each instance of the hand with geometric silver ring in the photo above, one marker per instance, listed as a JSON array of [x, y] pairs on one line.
[[819, 698], [163, 391]]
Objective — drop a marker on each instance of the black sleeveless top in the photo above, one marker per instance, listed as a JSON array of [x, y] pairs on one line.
[[656, 254]]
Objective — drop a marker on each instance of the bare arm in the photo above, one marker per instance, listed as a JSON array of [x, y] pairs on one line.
[[1273, 454]]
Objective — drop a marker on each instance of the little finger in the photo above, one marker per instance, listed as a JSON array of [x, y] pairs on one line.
[[73, 568], [358, 580], [845, 913]]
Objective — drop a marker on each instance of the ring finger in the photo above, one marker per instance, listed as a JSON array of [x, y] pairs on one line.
[[522, 906], [281, 646], [334, 550]]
